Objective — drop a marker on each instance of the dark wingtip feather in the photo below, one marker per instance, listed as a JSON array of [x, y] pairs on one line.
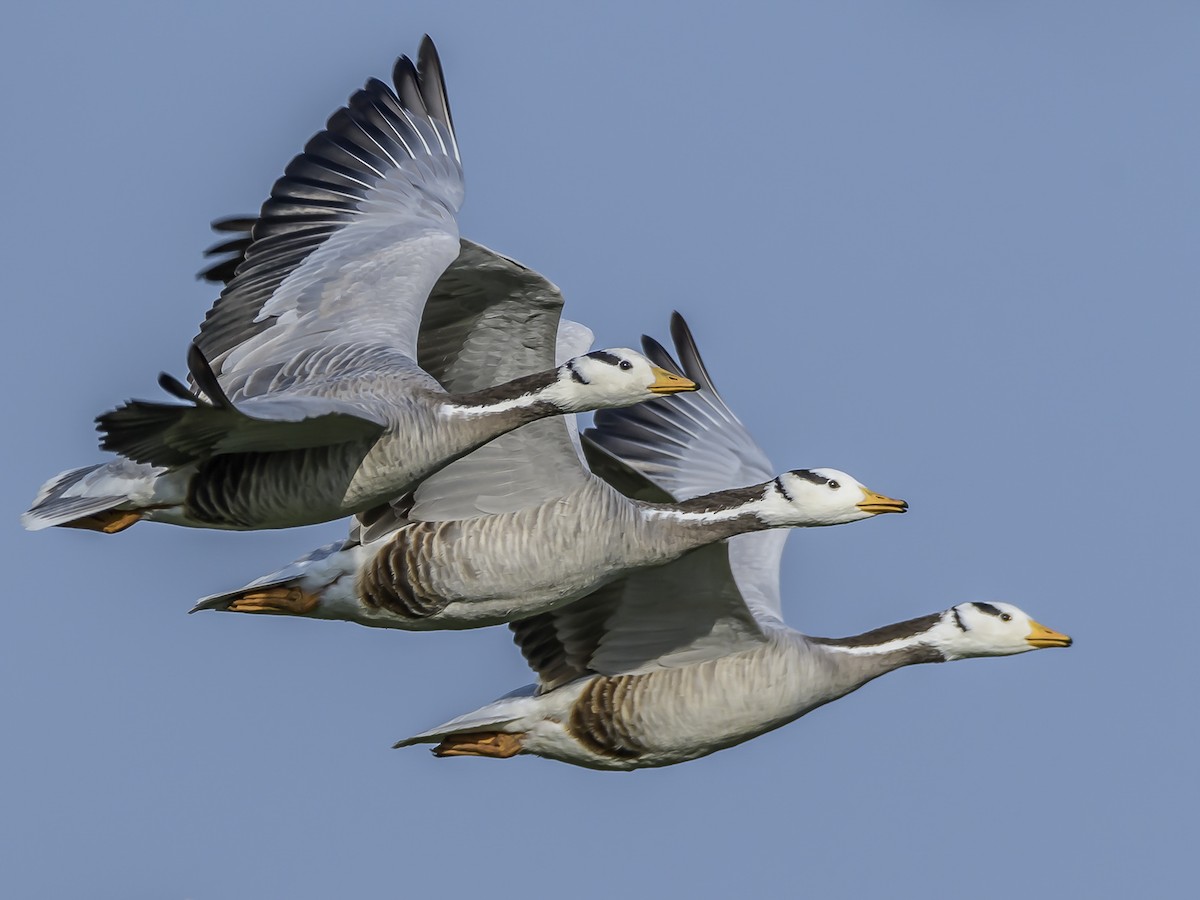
[[689, 353], [202, 374], [233, 223], [220, 273], [406, 80], [135, 430], [223, 270], [659, 355], [175, 387], [237, 244], [433, 82]]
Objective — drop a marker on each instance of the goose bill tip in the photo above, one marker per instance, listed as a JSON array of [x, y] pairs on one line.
[[669, 383], [877, 503], [1041, 636]]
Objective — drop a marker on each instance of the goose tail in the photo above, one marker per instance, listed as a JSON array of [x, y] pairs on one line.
[[318, 583], [494, 730], [105, 497]]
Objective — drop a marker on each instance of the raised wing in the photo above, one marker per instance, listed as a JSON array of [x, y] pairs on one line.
[[353, 237], [693, 444], [489, 319]]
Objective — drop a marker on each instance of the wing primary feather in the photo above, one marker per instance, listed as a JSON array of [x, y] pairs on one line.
[[202, 374], [345, 178], [433, 90], [689, 353], [230, 246], [221, 271], [176, 388], [239, 223], [659, 355], [404, 77], [433, 82]]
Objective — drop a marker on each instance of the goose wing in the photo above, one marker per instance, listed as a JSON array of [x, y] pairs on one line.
[[352, 239], [535, 463], [682, 613], [489, 320], [692, 445], [226, 255], [715, 601]]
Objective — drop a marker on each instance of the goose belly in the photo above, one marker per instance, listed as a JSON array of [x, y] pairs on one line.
[[273, 490], [496, 569], [668, 716]]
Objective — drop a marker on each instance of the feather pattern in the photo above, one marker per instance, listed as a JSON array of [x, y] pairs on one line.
[[671, 663], [520, 528], [309, 364], [353, 236]]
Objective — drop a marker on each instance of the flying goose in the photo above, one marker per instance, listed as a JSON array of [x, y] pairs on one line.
[[308, 402], [674, 663], [521, 527]]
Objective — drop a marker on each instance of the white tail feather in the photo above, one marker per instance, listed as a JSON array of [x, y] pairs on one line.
[[78, 493], [509, 709]]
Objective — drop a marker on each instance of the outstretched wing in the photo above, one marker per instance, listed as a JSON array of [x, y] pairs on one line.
[[353, 237], [691, 444]]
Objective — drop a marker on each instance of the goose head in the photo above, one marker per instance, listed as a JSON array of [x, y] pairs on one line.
[[611, 378], [990, 629], [805, 497]]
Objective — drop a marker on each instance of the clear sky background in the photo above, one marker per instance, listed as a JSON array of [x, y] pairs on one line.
[[949, 247]]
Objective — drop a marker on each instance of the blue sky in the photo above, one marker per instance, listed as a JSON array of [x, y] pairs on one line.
[[950, 248]]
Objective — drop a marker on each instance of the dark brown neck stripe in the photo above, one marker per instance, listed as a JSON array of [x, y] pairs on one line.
[[888, 633], [509, 390], [722, 500]]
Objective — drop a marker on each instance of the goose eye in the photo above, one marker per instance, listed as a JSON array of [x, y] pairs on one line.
[[626, 364], [833, 485], [1005, 617]]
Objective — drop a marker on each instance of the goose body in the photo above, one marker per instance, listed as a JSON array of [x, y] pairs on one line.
[[660, 712], [521, 527], [673, 663], [308, 400]]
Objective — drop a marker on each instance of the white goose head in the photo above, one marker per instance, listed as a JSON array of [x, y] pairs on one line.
[[805, 497], [990, 629], [611, 378]]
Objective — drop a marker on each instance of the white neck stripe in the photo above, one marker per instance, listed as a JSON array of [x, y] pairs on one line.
[[713, 515], [905, 643], [456, 410]]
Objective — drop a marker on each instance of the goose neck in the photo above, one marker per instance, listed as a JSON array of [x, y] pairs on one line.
[[515, 402], [881, 650], [713, 517]]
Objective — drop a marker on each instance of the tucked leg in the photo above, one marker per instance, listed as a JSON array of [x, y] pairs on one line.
[[499, 744], [279, 600], [110, 521]]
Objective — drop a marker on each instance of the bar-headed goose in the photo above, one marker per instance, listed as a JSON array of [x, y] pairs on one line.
[[307, 401], [673, 663], [521, 527]]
